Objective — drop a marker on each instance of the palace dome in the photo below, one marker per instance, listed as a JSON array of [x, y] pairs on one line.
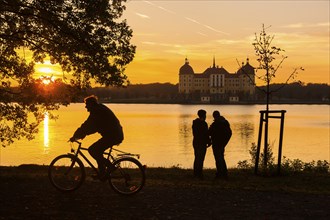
[[246, 69], [186, 68]]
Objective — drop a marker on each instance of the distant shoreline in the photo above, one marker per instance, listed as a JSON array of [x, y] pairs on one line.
[[144, 101], [166, 93]]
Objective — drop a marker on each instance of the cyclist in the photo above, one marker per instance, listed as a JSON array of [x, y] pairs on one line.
[[102, 120]]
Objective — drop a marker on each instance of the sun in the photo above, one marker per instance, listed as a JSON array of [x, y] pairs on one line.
[[47, 74], [46, 70], [47, 79]]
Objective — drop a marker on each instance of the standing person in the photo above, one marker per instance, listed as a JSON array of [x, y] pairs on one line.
[[201, 141], [220, 133], [102, 120]]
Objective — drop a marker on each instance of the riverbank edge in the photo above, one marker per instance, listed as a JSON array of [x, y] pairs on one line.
[[239, 179]]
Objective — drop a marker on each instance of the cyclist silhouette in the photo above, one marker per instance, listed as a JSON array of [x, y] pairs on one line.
[[102, 120]]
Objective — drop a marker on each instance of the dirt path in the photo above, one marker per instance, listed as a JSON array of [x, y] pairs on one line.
[[35, 198]]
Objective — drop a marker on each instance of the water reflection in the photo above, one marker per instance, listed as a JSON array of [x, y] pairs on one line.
[[245, 130], [46, 131], [162, 133], [185, 133]]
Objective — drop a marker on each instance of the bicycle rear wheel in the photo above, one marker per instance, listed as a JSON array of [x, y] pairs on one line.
[[66, 173], [129, 176]]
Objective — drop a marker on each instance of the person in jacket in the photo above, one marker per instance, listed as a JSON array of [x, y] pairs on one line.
[[220, 133], [201, 141], [102, 120]]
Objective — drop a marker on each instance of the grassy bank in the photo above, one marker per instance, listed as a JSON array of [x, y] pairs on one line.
[[303, 182]]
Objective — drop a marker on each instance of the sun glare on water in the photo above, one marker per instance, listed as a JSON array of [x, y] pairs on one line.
[[46, 131]]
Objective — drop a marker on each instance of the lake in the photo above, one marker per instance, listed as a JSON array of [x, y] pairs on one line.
[[162, 134]]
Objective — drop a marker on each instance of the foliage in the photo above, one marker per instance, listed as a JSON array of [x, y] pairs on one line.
[[23, 107], [287, 165], [253, 153], [85, 38], [155, 91], [297, 165], [266, 54]]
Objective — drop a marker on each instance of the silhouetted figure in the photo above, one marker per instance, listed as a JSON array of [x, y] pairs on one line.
[[102, 120], [200, 142], [220, 133]]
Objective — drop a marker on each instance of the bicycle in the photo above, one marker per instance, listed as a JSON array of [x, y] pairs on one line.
[[67, 172]]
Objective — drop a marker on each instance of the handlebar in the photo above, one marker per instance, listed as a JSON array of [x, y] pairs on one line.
[[78, 142], [75, 140]]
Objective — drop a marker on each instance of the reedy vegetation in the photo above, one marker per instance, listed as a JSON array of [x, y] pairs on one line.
[[287, 165]]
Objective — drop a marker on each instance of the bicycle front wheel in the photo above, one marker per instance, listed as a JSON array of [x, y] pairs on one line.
[[129, 176], [66, 173]]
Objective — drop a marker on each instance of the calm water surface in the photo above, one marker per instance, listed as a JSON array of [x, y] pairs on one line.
[[162, 133]]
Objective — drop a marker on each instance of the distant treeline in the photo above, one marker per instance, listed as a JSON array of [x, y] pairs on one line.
[[168, 93], [297, 91], [163, 92]]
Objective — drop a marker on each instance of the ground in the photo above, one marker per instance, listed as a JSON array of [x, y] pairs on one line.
[[33, 197]]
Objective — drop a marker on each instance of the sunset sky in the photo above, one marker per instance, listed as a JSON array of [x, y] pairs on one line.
[[166, 32]]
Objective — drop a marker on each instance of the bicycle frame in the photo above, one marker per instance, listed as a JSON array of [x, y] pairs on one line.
[[108, 154], [126, 175]]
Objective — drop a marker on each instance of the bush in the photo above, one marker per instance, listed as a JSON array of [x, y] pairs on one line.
[[288, 165], [245, 164]]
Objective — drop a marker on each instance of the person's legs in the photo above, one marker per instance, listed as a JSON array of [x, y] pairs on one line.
[[200, 152], [219, 156], [216, 154], [96, 151], [222, 162]]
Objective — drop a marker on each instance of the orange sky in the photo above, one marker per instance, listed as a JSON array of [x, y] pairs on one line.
[[166, 32]]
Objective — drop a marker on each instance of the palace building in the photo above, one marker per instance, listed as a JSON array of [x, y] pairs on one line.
[[216, 84]]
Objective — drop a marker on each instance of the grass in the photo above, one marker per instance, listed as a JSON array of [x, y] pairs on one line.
[[240, 179], [243, 179]]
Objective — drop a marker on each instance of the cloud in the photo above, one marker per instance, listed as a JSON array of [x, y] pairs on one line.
[[150, 3], [149, 43], [229, 42], [187, 18], [164, 9], [215, 30], [161, 44], [200, 33], [297, 25], [192, 20], [302, 25], [324, 24], [206, 26], [142, 15], [160, 7]]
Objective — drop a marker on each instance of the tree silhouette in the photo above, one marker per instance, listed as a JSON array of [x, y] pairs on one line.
[[266, 55], [85, 38]]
